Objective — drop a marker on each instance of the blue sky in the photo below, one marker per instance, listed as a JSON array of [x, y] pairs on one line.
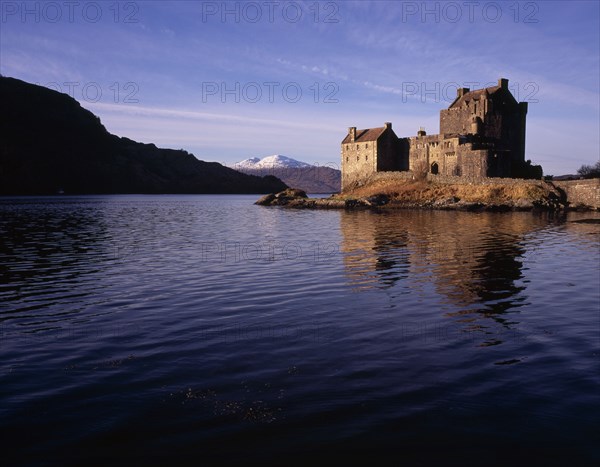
[[232, 80]]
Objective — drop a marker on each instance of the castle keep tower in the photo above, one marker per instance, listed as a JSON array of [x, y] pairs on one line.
[[493, 121]]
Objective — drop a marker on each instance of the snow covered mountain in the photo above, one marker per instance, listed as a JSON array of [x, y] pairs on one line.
[[276, 161], [294, 173]]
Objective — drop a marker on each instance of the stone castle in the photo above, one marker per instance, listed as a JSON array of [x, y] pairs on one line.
[[482, 134]]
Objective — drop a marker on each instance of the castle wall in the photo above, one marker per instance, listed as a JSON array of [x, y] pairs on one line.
[[508, 131], [493, 126], [515, 134], [451, 179], [423, 151], [446, 156], [359, 160], [457, 120], [472, 163], [389, 154]]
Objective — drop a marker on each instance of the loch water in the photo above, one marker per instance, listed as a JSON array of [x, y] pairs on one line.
[[203, 330]]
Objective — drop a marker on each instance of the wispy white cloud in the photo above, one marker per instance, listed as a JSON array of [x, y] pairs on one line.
[[137, 111]]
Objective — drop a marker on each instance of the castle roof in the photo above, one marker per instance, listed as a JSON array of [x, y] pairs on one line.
[[475, 95], [478, 94], [370, 134]]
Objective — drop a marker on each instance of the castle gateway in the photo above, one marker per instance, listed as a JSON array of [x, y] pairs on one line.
[[482, 134]]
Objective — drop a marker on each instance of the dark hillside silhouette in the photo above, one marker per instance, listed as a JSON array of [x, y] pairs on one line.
[[50, 144]]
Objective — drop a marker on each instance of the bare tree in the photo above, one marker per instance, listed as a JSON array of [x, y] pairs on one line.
[[589, 171]]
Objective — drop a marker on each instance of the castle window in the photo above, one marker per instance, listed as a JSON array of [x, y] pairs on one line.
[[358, 146], [347, 158], [357, 158], [367, 145], [367, 157]]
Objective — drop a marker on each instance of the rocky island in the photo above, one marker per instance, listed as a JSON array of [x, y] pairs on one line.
[[399, 191]]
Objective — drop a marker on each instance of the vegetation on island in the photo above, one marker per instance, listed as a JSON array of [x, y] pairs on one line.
[[589, 171]]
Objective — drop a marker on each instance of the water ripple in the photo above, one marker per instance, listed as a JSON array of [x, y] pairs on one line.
[[206, 321]]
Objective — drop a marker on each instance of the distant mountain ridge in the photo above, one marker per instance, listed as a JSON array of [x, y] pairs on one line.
[[50, 144], [294, 173]]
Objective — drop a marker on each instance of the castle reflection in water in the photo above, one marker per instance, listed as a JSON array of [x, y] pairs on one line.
[[473, 262]]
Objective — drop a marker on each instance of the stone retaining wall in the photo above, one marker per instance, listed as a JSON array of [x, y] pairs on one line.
[[451, 180], [581, 192], [578, 192]]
